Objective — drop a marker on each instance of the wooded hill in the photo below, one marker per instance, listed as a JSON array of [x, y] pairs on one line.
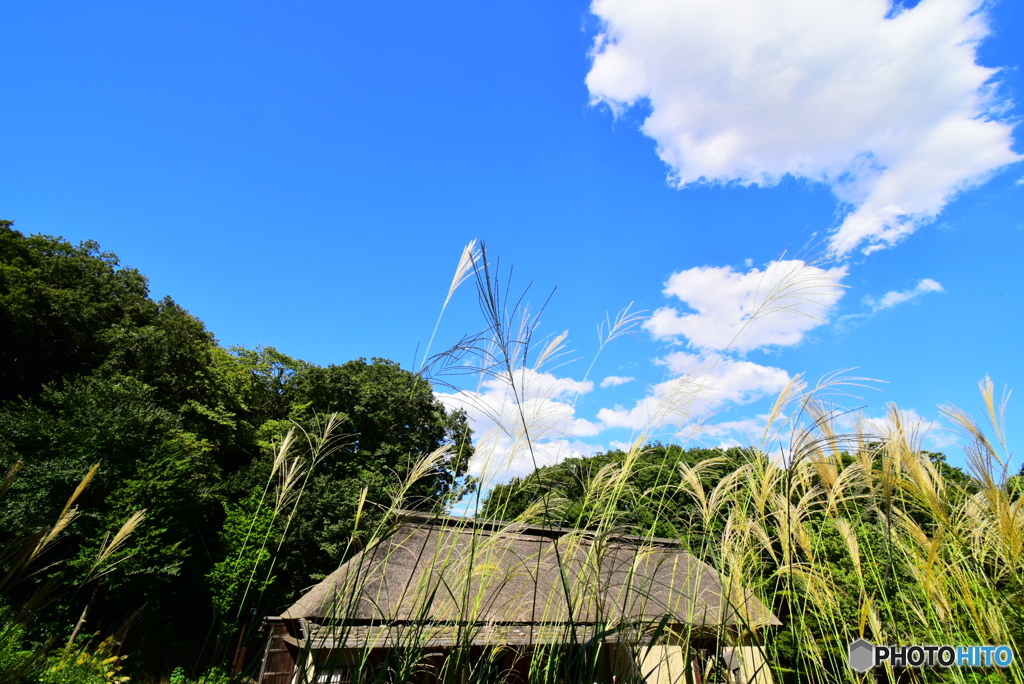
[[95, 373]]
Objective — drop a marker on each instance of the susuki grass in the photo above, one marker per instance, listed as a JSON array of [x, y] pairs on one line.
[[843, 532], [30, 582]]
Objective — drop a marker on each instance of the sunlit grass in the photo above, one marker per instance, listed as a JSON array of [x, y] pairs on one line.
[[842, 533]]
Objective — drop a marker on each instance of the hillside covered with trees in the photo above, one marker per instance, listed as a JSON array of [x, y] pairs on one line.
[[169, 492]]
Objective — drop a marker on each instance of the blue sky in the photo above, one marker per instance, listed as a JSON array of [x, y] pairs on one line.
[[306, 176]]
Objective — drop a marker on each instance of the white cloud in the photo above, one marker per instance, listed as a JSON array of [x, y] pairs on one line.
[[894, 297], [889, 300], [538, 411], [920, 432], [670, 403], [498, 458], [750, 430], [892, 112], [743, 311], [703, 384], [538, 404], [730, 379], [613, 380], [742, 432]]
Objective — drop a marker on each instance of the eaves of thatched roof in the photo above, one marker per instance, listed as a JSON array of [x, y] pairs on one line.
[[453, 571]]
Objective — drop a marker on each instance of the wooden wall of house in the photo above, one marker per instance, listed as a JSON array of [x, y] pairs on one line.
[[280, 657], [672, 663]]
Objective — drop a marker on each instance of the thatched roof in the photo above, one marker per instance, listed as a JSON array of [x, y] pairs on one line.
[[443, 570]]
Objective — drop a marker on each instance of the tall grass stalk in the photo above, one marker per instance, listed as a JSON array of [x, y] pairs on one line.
[[844, 532], [241, 579], [30, 582]]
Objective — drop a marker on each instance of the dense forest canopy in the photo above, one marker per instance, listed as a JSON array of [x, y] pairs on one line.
[[651, 499], [93, 371], [565, 494]]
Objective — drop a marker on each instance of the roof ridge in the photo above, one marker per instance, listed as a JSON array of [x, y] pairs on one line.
[[536, 529]]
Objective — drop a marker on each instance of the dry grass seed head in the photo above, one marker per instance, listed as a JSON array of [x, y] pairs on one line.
[[12, 472], [552, 350], [283, 450], [66, 517], [108, 549], [814, 584], [843, 490], [765, 538], [80, 488], [791, 393], [721, 496], [764, 478], [849, 536]]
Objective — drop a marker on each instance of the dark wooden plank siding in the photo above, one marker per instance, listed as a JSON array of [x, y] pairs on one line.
[[279, 658]]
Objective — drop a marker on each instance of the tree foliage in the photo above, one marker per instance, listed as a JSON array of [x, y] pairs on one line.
[[94, 371], [571, 493]]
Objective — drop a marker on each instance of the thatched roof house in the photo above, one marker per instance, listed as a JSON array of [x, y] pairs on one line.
[[439, 582]]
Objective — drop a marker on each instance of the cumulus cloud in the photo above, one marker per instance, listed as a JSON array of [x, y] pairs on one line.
[[517, 424], [701, 385], [613, 380], [536, 424], [743, 311], [743, 432], [499, 459], [534, 403], [887, 107]]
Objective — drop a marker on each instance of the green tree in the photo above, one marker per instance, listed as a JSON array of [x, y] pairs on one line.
[[648, 500], [392, 417], [56, 302], [148, 461], [390, 420], [92, 370]]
